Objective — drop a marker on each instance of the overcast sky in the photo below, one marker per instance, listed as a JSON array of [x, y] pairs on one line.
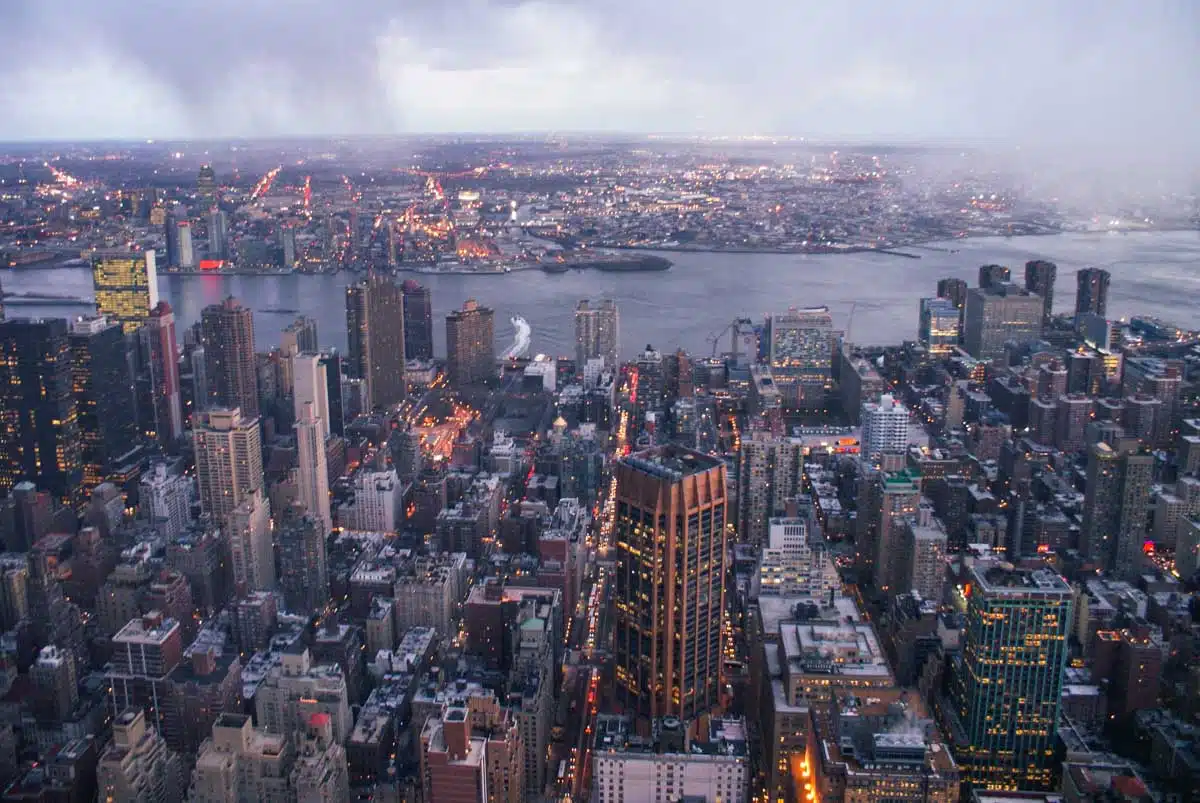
[[1096, 74]]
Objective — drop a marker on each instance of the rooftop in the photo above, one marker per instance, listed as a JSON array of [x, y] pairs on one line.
[[671, 462]]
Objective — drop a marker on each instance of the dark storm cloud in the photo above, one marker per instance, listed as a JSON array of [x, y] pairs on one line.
[[1092, 79]]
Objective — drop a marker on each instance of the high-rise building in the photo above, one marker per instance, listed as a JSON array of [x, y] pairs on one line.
[[104, 398], [472, 750], [801, 355], [1115, 505], [39, 439], [297, 688], [597, 333], [164, 499], [418, 321], [993, 276], [180, 252], [884, 427], [1005, 690], [770, 472], [311, 387], [287, 245], [218, 235], [1091, 292], [925, 553], [144, 653], [126, 286], [299, 336], [249, 533], [303, 562], [1074, 413], [796, 560], [229, 463], [162, 352], [206, 186], [375, 335], [137, 765], [313, 474], [471, 344], [331, 361], [998, 314], [954, 290], [227, 333], [897, 495], [670, 583], [940, 325], [1040, 276]]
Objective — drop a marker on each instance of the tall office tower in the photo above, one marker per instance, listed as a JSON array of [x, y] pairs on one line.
[[180, 250], [300, 336], [104, 400], [670, 583], [993, 276], [331, 361], [770, 471], [164, 498], [39, 441], [303, 562], [227, 332], [939, 326], [1006, 686], [1115, 503], [313, 474], [801, 355], [137, 765], [162, 351], [997, 315], [218, 235], [229, 463], [126, 285], [1091, 292], [375, 335], [172, 230], [418, 321], [884, 427], [1040, 276], [925, 550], [597, 333], [311, 387], [954, 290], [899, 495], [287, 245], [1073, 415], [471, 345], [249, 534], [206, 186]]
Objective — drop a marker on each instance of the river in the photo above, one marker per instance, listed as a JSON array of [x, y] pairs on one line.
[[1153, 273]]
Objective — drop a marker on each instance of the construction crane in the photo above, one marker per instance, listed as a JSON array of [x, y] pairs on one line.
[[850, 319], [716, 339]]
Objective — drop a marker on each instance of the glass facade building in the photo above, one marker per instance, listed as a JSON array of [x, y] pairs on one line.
[[939, 327], [126, 285]]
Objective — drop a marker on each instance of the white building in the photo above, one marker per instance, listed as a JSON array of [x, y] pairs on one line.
[[378, 504], [312, 479], [668, 766], [295, 690], [925, 548], [136, 766], [311, 387], [229, 463], [796, 561], [250, 544], [165, 499], [884, 427], [544, 368]]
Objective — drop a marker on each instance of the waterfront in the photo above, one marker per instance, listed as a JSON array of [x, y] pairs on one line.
[[1153, 273]]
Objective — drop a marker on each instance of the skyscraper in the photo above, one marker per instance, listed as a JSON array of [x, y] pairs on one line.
[[228, 460], [470, 344], [311, 387], [993, 276], [1006, 686], [227, 331], [884, 426], [670, 583], [39, 422], [218, 235], [104, 398], [418, 321], [313, 479], [1040, 276], [126, 285], [597, 333], [180, 250], [206, 186], [770, 472], [287, 245], [998, 314], [802, 346], [331, 361], [954, 291], [300, 335], [1091, 292], [303, 563], [159, 344], [1115, 505], [375, 336], [939, 327]]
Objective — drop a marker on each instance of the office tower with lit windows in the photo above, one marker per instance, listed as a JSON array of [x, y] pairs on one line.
[[126, 286], [375, 336], [229, 463], [227, 334], [939, 325], [669, 591], [997, 315], [993, 276], [206, 186], [312, 479], [418, 321], [159, 344], [597, 333], [1006, 684], [801, 355], [39, 441], [104, 399], [1115, 505], [471, 345], [954, 291], [1040, 276], [1091, 292]]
